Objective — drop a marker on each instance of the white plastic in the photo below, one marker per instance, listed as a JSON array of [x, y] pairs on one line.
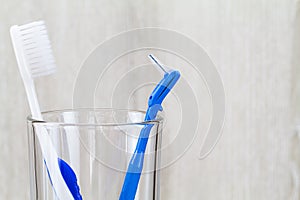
[[34, 57]]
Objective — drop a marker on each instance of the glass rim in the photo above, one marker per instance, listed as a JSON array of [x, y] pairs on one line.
[[158, 119]]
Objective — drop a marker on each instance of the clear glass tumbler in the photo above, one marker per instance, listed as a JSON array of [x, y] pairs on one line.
[[98, 145]]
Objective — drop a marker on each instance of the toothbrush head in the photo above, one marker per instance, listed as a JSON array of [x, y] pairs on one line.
[[165, 85], [33, 46]]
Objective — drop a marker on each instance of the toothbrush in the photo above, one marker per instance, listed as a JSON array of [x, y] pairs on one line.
[[156, 98], [34, 57]]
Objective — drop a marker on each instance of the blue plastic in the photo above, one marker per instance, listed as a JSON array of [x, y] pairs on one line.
[[70, 179], [135, 166]]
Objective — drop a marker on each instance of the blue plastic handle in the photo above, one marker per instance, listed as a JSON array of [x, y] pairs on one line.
[[135, 166], [70, 178]]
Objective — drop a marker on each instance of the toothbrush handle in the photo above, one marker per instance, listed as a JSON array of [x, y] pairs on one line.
[[135, 166], [70, 179], [132, 177], [52, 164]]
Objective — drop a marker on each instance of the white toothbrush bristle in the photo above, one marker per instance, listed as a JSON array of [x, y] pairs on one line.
[[37, 49]]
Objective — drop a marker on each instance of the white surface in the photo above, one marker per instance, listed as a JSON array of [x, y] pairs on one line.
[[255, 45]]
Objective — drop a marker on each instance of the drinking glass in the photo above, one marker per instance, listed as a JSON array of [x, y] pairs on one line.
[[98, 145]]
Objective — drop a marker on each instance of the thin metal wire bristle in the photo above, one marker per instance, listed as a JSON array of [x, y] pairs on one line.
[[157, 63]]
